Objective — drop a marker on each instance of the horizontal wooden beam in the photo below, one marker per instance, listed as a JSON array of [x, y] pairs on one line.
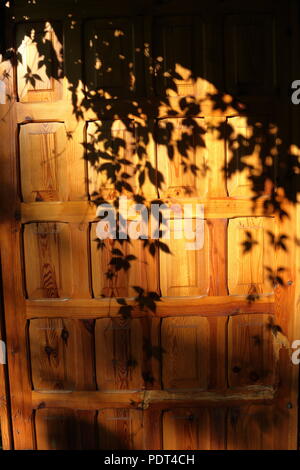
[[85, 211], [205, 306], [150, 398]]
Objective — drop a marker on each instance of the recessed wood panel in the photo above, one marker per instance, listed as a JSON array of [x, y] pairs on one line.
[[137, 267], [251, 153], [253, 427], [251, 256], [62, 354], [185, 270], [128, 354], [113, 57], [177, 62], [112, 159], [120, 429], [40, 62], [182, 157], [193, 352], [51, 164], [251, 350], [194, 429], [48, 260], [250, 54], [61, 429]]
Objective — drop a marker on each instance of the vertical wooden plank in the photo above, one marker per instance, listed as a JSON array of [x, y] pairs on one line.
[[14, 304], [120, 429], [62, 354], [251, 353], [61, 429], [286, 328], [80, 275], [152, 352], [127, 354], [217, 353], [5, 412], [214, 140], [194, 429], [218, 256], [153, 429], [5, 416]]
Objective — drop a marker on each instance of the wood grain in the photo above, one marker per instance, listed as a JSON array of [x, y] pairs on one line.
[[35, 81], [62, 354], [251, 260], [186, 341], [252, 357], [201, 306], [62, 429], [120, 428], [127, 354], [184, 270], [195, 428], [48, 260]]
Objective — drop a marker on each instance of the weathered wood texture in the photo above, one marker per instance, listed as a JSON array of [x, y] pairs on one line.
[[210, 368]]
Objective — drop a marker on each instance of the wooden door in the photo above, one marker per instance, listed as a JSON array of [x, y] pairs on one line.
[[146, 345]]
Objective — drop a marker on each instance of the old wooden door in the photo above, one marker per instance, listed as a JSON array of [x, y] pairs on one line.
[[182, 101]]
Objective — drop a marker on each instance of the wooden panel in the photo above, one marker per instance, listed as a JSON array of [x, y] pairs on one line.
[[182, 157], [142, 271], [62, 354], [108, 143], [194, 429], [253, 427], [186, 271], [193, 353], [251, 256], [47, 156], [251, 350], [251, 156], [48, 261], [112, 62], [250, 54], [120, 429], [40, 62], [176, 60], [127, 354], [62, 429]]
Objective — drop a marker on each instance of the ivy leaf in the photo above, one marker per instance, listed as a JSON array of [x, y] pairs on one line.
[[164, 247]]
